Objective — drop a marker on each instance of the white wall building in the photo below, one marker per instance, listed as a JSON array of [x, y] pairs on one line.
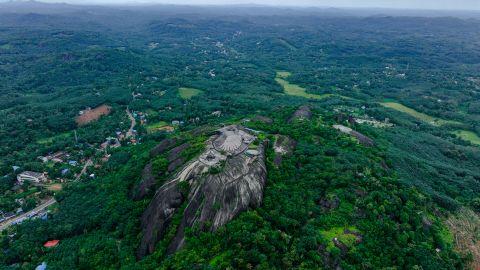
[[33, 177]]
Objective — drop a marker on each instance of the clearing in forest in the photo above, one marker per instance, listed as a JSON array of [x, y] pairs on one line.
[[420, 116], [464, 225], [293, 89], [468, 136], [92, 114], [49, 140], [54, 187], [159, 126], [188, 93]]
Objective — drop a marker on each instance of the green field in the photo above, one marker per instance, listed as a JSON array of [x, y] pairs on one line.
[[420, 116], [155, 126], [293, 89], [49, 140], [468, 136], [339, 233], [188, 93]]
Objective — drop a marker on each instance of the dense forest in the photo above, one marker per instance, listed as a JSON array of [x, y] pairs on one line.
[[380, 172]]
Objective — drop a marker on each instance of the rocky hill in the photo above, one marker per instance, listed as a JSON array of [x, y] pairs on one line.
[[226, 179]]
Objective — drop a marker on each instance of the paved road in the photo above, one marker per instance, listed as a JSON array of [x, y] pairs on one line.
[[26, 215], [132, 125]]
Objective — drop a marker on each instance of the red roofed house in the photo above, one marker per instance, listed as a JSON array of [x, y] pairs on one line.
[[51, 243]]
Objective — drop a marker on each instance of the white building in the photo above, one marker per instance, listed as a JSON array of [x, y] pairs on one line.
[[33, 177]]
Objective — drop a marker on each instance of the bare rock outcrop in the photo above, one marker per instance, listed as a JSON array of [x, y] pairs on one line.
[[263, 119], [226, 179], [301, 114], [162, 147], [364, 140], [146, 184], [283, 146], [149, 177]]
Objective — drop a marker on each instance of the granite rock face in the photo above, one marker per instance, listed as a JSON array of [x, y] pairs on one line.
[[364, 140], [283, 146], [302, 113], [149, 178], [226, 179]]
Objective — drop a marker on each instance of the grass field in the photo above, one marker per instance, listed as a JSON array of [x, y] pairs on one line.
[[188, 93], [420, 116], [293, 89], [156, 126], [468, 136], [56, 137]]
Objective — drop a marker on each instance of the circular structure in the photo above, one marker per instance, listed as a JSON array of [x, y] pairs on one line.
[[232, 140], [232, 143]]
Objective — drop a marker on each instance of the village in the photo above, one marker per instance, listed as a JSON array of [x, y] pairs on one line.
[[35, 189]]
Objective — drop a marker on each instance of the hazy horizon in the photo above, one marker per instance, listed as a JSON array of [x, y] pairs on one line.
[[394, 4]]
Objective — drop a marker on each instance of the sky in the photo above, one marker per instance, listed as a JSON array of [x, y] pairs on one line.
[[403, 4]]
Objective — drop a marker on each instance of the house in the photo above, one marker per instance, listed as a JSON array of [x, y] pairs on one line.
[[43, 159], [42, 266], [33, 177], [65, 172], [52, 243], [72, 163]]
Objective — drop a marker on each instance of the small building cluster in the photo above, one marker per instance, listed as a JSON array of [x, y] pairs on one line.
[[57, 157]]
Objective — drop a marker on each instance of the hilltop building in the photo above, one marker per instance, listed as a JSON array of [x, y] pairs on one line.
[[33, 177]]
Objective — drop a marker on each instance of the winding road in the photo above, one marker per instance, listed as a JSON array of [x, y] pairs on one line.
[[132, 125]]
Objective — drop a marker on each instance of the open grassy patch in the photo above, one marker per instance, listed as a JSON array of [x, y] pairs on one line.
[[159, 126], [54, 187], [293, 89], [344, 235], [49, 140], [188, 93], [468, 136], [283, 74], [418, 115]]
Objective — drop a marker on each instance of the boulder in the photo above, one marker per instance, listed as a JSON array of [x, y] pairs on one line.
[[162, 147], [283, 146], [301, 114], [146, 184]]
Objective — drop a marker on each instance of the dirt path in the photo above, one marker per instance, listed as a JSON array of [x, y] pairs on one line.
[[26, 215], [84, 169], [132, 125]]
